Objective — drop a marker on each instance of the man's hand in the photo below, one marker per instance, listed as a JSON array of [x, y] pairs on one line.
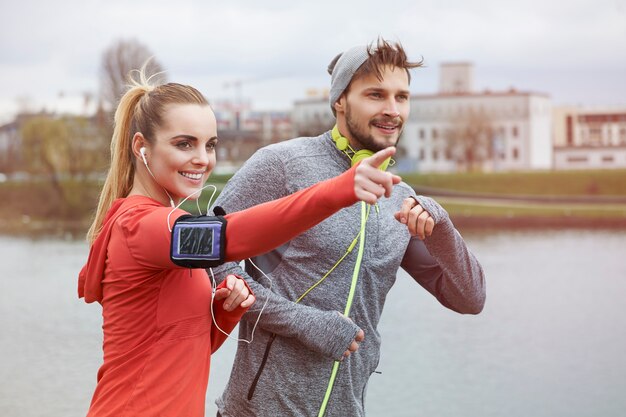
[[417, 219], [370, 183], [354, 345], [236, 294]]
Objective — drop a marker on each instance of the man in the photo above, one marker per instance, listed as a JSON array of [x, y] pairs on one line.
[[316, 343]]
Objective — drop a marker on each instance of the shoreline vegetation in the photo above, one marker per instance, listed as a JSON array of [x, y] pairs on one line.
[[475, 201]]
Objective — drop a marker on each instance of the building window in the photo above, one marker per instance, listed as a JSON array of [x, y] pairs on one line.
[[608, 158], [576, 159], [515, 131], [421, 155], [569, 131], [595, 134], [435, 155], [515, 153], [421, 133], [622, 135], [448, 154], [435, 134]]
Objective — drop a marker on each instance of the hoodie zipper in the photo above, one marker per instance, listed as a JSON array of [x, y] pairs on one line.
[[261, 367]]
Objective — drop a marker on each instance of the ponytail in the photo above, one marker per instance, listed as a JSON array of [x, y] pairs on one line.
[[121, 173]]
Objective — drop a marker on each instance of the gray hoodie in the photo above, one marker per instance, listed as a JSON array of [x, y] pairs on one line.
[[286, 369]]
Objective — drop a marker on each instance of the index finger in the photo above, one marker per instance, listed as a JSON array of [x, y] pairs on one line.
[[379, 157], [407, 204], [230, 281]]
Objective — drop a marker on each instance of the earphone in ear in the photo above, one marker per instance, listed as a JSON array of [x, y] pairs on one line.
[[142, 151]]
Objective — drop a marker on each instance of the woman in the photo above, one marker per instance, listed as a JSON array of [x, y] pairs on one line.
[[157, 323]]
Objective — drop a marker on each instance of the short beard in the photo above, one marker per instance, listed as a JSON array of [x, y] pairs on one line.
[[362, 138]]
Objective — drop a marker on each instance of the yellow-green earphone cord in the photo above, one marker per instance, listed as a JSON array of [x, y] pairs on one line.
[[355, 278], [352, 245]]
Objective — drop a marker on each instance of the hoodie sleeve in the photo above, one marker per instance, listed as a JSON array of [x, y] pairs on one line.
[[148, 236], [444, 265], [226, 320], [266, 226]]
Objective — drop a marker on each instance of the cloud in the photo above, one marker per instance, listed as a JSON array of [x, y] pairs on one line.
[[281, 48]]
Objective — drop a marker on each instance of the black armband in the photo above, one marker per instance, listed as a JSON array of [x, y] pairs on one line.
[[198, 241]]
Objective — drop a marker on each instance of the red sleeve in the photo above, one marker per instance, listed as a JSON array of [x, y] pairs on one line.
[[266, 226], [227, 320], [148, 236]]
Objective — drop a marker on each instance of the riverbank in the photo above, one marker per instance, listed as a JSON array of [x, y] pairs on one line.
[[521, 200], [529, 200], [76, 230]]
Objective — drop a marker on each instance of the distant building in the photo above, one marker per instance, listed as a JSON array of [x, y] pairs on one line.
[[234, 148], [518, 134], [312, 116], [589, 138], [242, 131], [269, 126], [456, 78], [273, 126]]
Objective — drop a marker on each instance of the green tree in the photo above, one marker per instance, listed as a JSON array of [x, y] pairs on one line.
[[89, 154], [66, 152]]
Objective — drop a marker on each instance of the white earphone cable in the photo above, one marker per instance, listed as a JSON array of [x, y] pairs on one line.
[[213, 282], [197, 203], [260, 312]]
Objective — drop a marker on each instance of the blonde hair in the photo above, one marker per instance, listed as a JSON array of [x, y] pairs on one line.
[[140, 109]]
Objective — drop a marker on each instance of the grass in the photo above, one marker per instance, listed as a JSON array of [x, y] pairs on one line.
[[26, 204], [557, 183], [523, 210]]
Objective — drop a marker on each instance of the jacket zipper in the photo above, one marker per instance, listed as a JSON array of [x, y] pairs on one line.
[[261, 367]]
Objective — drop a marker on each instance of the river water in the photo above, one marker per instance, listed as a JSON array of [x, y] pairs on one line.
[[550, 342]]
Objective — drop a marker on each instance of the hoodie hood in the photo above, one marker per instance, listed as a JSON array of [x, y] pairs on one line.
[[91, 275]]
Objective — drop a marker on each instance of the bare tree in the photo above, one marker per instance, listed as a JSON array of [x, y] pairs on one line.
[[469, 140], [122, 57]]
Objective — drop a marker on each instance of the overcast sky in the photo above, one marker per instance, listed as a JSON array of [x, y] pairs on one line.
[[573, 50]]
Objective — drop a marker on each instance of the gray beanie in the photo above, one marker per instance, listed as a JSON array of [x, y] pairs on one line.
[[345, 65]]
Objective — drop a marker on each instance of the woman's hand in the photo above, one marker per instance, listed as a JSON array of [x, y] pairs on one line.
[[370, 183], [235, 294]]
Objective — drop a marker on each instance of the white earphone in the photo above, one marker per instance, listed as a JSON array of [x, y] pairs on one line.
[[142, 151]]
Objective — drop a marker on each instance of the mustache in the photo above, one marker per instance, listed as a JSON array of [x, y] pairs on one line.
[[389, 120]]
